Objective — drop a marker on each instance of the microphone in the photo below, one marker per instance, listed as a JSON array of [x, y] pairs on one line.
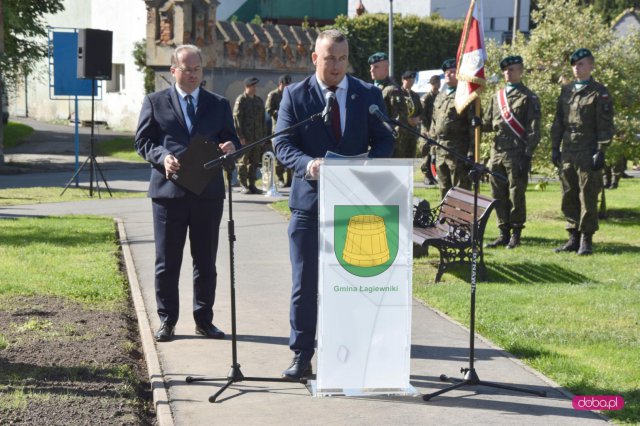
[[329, 97], [374, 110]]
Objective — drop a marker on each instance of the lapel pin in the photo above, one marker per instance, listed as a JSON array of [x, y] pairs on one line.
[[353, 97]]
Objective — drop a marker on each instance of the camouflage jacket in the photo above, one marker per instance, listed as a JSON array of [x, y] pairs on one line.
[[525, 107], [584, 118], [273, 105], [248, 117], [393, 100], [412, 100], [427, 110], [451, 129]]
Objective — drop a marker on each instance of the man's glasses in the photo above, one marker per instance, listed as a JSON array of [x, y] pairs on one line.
[[186, 70]]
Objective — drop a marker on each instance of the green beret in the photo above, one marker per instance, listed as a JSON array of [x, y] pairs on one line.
[[580, 54], [378, 57], [510, 60], [408, 74], [449, 63]]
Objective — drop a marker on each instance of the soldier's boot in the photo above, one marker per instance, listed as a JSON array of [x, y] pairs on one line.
[[253, 189], [502, 240], [244, 185], [573, 244], [586, 246], [515, 238]]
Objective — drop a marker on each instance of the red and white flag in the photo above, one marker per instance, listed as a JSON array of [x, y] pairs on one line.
[[471, 58]]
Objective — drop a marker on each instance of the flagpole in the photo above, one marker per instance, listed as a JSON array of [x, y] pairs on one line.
[[478, 130]]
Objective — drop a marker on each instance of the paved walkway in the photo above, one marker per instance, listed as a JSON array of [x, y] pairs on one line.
[[262, 288]]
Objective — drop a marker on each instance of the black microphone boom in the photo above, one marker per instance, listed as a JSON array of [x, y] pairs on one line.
[[329, 98], [375, 110]]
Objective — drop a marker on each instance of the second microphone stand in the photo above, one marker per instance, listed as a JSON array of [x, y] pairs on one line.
[[471, 377], [227, 161]]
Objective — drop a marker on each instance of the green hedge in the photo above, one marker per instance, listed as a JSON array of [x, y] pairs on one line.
[[419, 43]]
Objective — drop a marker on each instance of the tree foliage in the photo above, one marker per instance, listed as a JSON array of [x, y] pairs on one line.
[[140, 59], [610, 9], [25, 35], [546, 56], [419, 43]]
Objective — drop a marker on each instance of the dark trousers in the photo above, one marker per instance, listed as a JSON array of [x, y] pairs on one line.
[[172, 218], [303, 251]]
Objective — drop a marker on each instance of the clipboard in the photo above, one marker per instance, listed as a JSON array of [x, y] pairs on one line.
[[192, 175]]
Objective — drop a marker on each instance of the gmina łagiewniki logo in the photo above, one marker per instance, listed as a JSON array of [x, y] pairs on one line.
[[366, 238]]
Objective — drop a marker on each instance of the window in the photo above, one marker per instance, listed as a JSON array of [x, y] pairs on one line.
[[116, 84]]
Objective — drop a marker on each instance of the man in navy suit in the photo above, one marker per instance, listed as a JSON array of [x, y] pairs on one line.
[[351, 131], [168, 121]]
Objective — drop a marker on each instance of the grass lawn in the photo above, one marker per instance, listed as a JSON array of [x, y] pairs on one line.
[[120, 147], [67, 349], [575, 319], [73, 257], [13, 132], [39, 195]]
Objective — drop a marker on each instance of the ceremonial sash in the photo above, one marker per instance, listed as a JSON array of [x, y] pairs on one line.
[[507, 115]]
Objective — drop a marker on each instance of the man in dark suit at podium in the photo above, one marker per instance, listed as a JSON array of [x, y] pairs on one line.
[[168, 120], [350, 131]]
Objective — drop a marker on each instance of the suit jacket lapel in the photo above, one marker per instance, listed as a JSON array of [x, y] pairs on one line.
[[177, 109], [352, 100], [318, 105]]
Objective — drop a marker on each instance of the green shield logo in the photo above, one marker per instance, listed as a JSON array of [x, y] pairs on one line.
[[366, 238]]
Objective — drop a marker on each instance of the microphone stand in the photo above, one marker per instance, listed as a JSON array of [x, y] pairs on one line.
[[227, 161], [470, 378]]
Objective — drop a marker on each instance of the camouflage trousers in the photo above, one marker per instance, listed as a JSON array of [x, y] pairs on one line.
[[248, 164], [405, 146], [511, 208], [580, 188], [451, 172]]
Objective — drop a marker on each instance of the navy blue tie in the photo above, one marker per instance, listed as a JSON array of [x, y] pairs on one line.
[[191, 111]]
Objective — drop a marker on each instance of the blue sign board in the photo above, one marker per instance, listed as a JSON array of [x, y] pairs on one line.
[[65, 63]]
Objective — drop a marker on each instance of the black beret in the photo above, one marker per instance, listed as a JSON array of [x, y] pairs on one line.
[[408, 74], [250, 81], [284, 79], [510, 60], [580, 54], [378, 57], [449, 63]]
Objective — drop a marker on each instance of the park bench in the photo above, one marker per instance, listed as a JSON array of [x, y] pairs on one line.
[[448, 229]]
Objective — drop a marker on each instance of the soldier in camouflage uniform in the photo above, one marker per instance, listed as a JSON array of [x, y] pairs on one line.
[[407, 141], [391, 93], [453, 131], [514, 114], [248, 116], [272, 106], [426, 102], [580, 134]]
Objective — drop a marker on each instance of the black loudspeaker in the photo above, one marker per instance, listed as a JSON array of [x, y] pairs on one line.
[[94, 54]]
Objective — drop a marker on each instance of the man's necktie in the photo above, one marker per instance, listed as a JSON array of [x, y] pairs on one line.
[[335, 116], [191, 111]]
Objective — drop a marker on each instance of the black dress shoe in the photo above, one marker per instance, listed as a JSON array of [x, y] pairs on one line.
[[210, 331], [165, 332], [298, 369]]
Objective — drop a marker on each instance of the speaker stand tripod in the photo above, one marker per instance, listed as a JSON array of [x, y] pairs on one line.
[[94, 167]]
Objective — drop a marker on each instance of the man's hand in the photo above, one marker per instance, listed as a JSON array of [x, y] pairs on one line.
[[476, 122], [414, 121], [227, 147], [598, 161], [314, 170], [556, 157], [171, 165], [243, 141]]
